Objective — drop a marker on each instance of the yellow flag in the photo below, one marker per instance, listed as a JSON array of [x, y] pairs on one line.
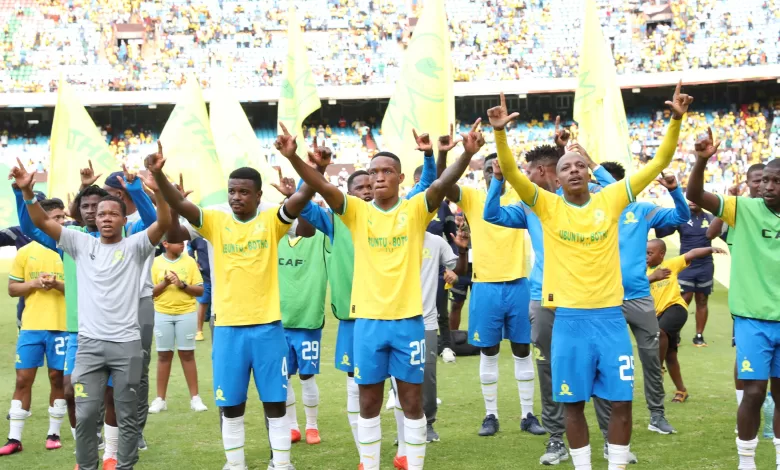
[[235, 140], [598, 104], [423, 97], [189, 148], [299, 96], [75, 141]]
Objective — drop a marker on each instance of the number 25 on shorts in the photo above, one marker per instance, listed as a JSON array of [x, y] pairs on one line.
[[626, 368]]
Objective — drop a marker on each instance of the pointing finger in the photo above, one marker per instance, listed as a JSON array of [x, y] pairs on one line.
[[557, 123], [503, 100], [284, 128], [414, 131], [90, 165], [678, 88], [475, 125]]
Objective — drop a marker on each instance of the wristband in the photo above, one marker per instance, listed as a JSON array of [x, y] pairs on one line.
[[183, 286], [31, 202]]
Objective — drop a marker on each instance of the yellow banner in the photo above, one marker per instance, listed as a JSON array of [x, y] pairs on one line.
[[189, 148], [598, 104], [423, 98], [75, 141], [235, 140], [299, 97]]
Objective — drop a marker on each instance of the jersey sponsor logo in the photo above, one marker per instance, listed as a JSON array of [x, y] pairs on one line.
[[388, 244], [565, 390], [78, 391], [746, 367], [251, 245], [290, 262], [585, 239], [768, 233], [219, 395], [630, 218]]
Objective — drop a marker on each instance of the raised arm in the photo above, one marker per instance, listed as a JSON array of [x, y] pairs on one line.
[[173, 198], [705, 148], [24, 181], [702, 253], [472, 142], [499, 118], [447, 143], [428, 175], [142, 201], [681, 213], [462, 242], [27, 226], [88, 178], [157, 230], [508, 216], [286, 145], [663, 157]]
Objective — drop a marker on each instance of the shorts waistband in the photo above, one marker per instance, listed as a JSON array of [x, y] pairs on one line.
[[602, 313]]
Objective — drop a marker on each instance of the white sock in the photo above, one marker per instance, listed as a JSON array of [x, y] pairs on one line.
[[740, 394], [618, 456], [353, 408], [370, 434], [292, 413], [311, 401], [56, 415], [233, 442], [279, 435], [17, 415], [73, 432], [488, 375], [747, 453], [776, 442], [581, 458], [112, 442], [524, 374], [415, 437], [400, 429]]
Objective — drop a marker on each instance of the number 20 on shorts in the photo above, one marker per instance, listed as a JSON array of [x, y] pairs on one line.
[[418, 353]]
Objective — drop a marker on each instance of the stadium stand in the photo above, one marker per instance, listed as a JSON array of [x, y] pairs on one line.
[[152, 45]]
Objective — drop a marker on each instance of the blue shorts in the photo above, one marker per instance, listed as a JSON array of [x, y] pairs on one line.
[[70, 354], [33, 345], [239, 351], [385, 348], [697, 279], [591, 355], [758, 348], [499, 310], [304, 354], [345, 346], [206, 299]]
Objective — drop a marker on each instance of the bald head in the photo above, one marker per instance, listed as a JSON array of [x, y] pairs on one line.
[[569, 158], [658, 244]]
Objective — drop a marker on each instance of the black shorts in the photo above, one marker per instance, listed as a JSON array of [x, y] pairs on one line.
[[697, 279], [672, 321]]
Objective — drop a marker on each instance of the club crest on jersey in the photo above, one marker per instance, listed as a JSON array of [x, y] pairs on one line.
[[476, 336], [357, 373], [538, 354], [78, 391], [746, 367], [598, 216], [705, 223], [260, 227], [401, 221], [18, 359], [219, 395], [565, 390], [345, 360], [427, 253], [630, 218], [118, 257]]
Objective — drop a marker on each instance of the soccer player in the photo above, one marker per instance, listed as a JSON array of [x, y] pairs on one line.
[[177, 282], [116, 185], [671, 310], [388, 236], [248, 334], [303, 283], [591, 350], [437, 254], [697, 280], [109, 272], [340, 262], [498, 308], [635, 222], [718, 228], [37, 276], [754, 294]]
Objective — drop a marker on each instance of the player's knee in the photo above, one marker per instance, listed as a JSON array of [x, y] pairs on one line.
[[88, 410], [306, 376], [491, 350], [55, 377], [165, 356], [755, 392], [22, 383], [186, 356], [273, 410], [621, 410], [521, 350]]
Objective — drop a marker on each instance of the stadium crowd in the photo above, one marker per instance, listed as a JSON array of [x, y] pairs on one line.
[[353, 42]]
